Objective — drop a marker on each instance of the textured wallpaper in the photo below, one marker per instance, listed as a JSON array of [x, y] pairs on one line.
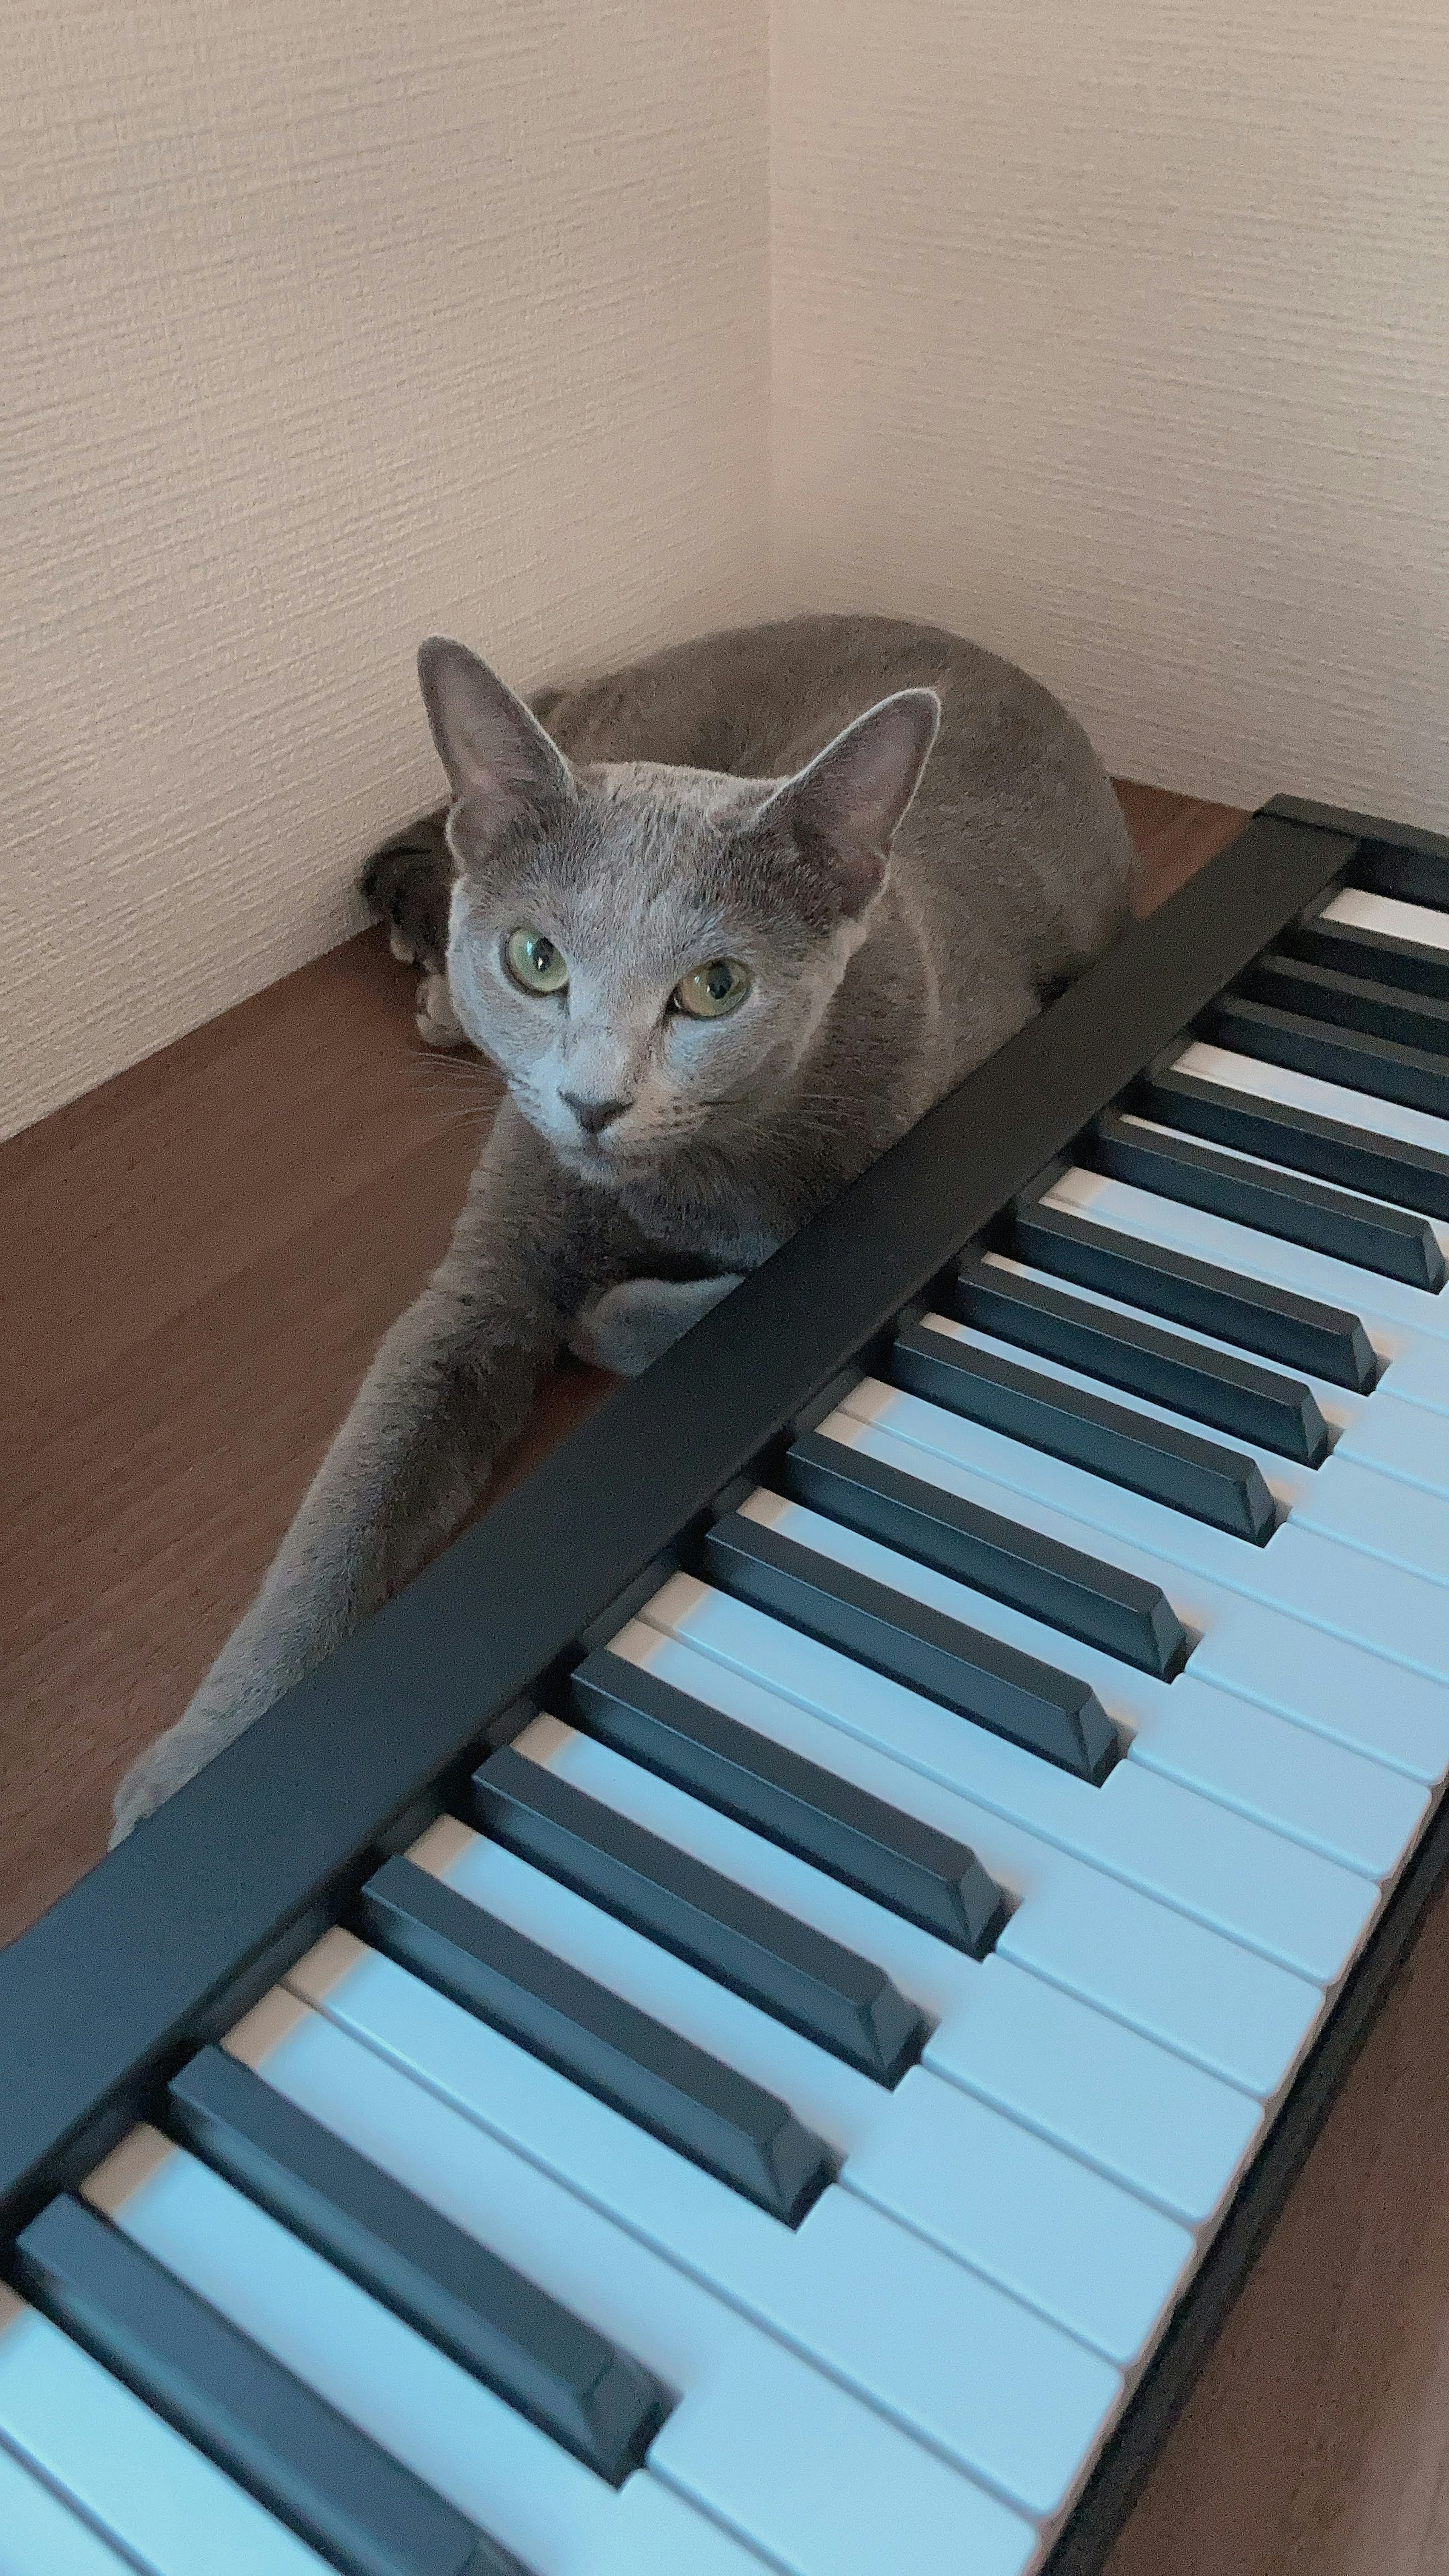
[[319, 328], [1117, 334]]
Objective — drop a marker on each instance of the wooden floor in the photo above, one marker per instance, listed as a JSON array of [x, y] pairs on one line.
[[199, 1259]]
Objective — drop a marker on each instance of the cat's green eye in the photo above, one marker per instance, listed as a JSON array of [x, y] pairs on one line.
[[534, 962], [712, 990]]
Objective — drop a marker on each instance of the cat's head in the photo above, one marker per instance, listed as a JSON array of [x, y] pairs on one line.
[[645, 951]]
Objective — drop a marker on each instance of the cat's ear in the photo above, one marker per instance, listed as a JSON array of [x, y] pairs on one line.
[[499, 760], [846, 807]]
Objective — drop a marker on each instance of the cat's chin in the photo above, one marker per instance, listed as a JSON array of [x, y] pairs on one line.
[[605, 1158], [596, 1156]]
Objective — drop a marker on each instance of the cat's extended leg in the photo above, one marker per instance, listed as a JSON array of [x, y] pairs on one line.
[[629, 1325], [449, 1387]]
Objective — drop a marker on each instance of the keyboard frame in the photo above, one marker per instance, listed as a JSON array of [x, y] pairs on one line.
[[169, 1939]]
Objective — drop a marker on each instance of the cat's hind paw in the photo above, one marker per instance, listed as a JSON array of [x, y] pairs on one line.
[[408, 883], [438, 1022]]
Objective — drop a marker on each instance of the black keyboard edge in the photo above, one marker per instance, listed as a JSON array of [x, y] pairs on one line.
[[1415, 837], [146, 1982]]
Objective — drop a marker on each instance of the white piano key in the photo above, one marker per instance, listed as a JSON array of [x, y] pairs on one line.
[[1155, 2122], [1339, 1405], [1355, 1495], [657, 2531], [1382, 1429], [1347, 1498], [165, 2506], [1224, 1869], [1381, 1515], [1393, 1613], [1139, 1122], [1036, 2222], [1418, 1375], [1391, 1311], [712, 2356], [1287, 1480], [1386, 914], [1225, 2008], [39, 2536], [1380, 1490], [460, 2438], [1171, 2133], [1333, 1688], [1264, 1081], [471, 2447], [1365, 1427], [1350, 1811], [1397, 1435], [861, 2300]]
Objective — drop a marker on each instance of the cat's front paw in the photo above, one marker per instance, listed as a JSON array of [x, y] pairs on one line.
[[240, 1688], [629, 1326], [301, 1613], [174, 1758], [154, 1776]]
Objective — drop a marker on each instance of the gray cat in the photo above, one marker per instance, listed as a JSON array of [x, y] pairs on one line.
[[728, 927]]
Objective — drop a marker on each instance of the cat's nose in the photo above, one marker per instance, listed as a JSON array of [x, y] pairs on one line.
[[595, 1115]]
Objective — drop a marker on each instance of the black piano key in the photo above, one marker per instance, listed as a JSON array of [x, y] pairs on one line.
[[1414, 876], [304, 2461], [595, 2400], [707, 2111], [1349, 1001], [1155, 1458], [1409, 1176], [909, 1867], [1042, 1710], [1347, 1056], [1234, 1395], [1059, 1585], [814, 1984], [1327, 1341], [1377, 955], [1388, 1240]]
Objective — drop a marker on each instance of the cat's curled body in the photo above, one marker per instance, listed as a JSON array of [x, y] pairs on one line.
[[901, 900]]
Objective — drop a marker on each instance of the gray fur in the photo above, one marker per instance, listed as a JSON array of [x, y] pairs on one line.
[[771, 795]]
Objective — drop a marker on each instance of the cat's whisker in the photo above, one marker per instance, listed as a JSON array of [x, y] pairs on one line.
[[454, 1091], [469, 1098], [467, 1114], [453, 1068]]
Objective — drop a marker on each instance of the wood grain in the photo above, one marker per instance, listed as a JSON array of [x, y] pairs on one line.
[[201, 1257]]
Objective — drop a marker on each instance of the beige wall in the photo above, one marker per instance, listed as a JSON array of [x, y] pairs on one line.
[[1117, 333], [321, 327]]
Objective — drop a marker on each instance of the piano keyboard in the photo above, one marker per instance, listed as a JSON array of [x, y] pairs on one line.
[[731, 2027]]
